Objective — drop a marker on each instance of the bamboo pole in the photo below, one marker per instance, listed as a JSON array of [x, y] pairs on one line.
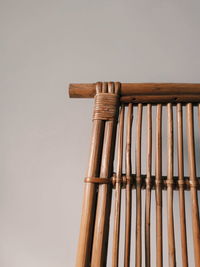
[[101, 228], [138, 247], [159, 98], [131, 89], [181, 186], [171, 239], [116, 229], [158, 189], [148, 188], [89, 199], [128, 188], [193, 181]]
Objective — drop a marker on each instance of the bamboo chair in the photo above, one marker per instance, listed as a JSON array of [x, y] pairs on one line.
[[114, 106]]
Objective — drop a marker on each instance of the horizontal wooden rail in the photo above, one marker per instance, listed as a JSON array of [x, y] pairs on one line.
[[85, 90], [123, 181]]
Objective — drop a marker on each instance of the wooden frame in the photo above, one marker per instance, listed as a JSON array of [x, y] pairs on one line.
[[111, 99]]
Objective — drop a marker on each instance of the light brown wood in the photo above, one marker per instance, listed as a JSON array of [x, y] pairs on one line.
[[116, 228], [138, 247], [89, 199], [128, 188], [158, 189], [164, 99], [193, 180], [171, 239], [101, 228], [78, 90], [181, 186], [176, 183], [101, 179], [148, 188]]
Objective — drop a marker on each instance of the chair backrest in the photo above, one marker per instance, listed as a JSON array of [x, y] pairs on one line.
[[157, 120]]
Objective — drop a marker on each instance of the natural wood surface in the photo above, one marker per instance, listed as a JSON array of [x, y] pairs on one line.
[[158, 190], [170, 169], [89, 199], [193, 180], [186, 184], [138, 246], [164, 99], [101, 179], [116, 228], [128, 188], [148, 189], [181, 185], [101, 227], [84, 90]]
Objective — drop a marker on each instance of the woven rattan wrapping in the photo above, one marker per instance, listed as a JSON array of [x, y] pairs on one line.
[[106, 106]]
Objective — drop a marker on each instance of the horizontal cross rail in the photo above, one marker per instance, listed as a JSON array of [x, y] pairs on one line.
[[88, 90], [124, 180]]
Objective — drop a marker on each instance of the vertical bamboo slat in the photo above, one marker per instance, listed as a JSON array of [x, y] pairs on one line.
[[171, 239], [138, 247], [181, 186], [101, 228], [193, 184], [158, 189], [128, 188], [89, 199], [116, 232], [148, 188]]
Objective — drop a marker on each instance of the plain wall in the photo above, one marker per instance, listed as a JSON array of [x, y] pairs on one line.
[[45, 136]]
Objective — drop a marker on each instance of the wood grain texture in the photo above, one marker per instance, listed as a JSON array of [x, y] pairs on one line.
[[89, 198], [148, 189], [138, 235], [117, 212], [101, 227], [170, 169], [186, 184], [129, 89], [128, 188], [101, 179], [181, 185], [164, 99], [193, 180], [158, 189]]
